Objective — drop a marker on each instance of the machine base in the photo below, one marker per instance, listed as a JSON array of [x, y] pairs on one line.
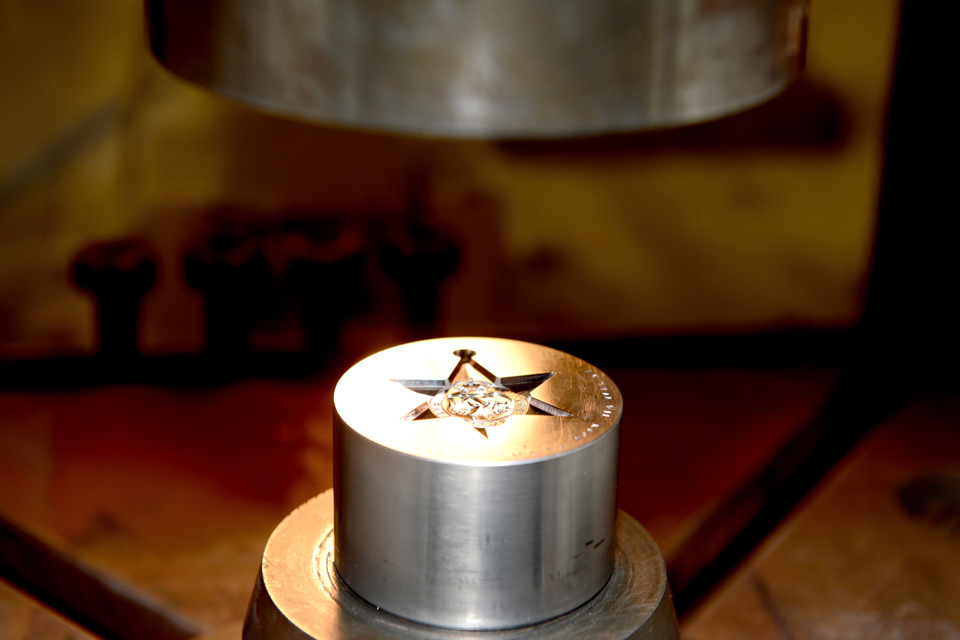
[[299, 596]]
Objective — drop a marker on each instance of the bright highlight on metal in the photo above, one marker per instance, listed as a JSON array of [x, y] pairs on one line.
[[481, 403]]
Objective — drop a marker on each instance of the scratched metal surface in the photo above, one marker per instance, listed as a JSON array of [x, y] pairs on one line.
[[852, 563]]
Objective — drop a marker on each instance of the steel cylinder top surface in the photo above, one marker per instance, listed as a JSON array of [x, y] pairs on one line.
[[475, 483]]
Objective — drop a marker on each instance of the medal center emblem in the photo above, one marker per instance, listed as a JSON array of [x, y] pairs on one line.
[[479, 403]]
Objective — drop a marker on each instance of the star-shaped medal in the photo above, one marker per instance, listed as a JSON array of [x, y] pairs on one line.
[[480, 403]]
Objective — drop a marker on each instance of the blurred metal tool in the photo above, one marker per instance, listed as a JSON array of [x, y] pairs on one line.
[[230, 270], [327, 272], [487, 68], [118, 274], [489, 521]]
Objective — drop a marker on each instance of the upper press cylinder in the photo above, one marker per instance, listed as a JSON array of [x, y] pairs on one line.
[[487, 68]]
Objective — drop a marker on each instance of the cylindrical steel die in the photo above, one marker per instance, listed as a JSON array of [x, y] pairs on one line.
[[475, 481]]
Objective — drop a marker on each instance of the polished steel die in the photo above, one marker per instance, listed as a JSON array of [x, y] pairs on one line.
[[474, 497]]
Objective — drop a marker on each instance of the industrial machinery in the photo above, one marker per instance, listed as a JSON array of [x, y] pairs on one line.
[[472, 501], [487, 68], [467, 501]]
